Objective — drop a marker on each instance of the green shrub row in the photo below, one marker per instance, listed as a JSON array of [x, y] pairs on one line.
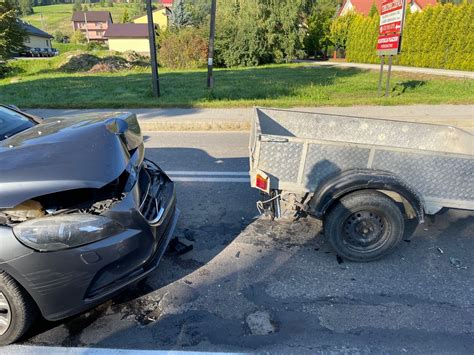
[[441, 36]]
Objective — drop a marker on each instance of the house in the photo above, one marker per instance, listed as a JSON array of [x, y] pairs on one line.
[[363, 6], [124, 37], [92, 23], [160, 18], [36, 38]]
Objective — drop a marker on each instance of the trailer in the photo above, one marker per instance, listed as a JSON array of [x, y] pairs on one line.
[[363, 177]]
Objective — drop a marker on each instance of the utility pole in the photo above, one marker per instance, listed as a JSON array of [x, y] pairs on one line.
[[152, 40], [87, 26], [212, 34]]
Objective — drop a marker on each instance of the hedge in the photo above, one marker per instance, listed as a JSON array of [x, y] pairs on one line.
[[437, 37]]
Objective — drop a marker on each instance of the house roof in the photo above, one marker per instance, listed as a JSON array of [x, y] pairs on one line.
[[363, 6], [93, 16], [34, 31], [127, 30]]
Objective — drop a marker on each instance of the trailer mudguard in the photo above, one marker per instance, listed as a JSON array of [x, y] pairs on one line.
[[360, 179]]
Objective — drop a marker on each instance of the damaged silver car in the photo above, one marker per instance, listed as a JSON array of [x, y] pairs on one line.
[[82, 214]]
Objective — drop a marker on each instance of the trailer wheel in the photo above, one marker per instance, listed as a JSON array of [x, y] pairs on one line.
[[364, 226], [17, 310]]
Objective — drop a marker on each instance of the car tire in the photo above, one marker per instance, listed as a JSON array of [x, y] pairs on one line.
[[23, 311], [364, 226]]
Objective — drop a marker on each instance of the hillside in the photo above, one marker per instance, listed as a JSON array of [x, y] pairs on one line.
[[52, 18]]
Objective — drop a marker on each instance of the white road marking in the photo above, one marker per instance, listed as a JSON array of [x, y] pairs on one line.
[[47, 350], [210, 176], [210, 173], [208, 179]]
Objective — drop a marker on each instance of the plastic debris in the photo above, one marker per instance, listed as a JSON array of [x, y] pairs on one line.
[[180, 246], [441, 251]]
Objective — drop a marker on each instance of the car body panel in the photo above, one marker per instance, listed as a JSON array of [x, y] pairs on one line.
[[65, 154]]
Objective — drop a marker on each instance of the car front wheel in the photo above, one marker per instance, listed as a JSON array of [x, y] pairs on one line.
[[364, 226], [17, 310]]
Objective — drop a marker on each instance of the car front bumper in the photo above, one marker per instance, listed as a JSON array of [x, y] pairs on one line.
[[67, 282]]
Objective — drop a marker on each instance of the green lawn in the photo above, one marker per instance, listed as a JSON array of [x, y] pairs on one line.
[[39, 84], [58, 17]]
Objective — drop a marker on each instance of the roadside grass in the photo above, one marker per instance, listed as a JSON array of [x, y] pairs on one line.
[[52, 18], [38, 84]]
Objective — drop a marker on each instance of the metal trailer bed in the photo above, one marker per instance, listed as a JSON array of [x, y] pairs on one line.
[[300, 152]]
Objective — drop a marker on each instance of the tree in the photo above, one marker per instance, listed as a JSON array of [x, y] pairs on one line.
[[78, 37], [340, 30], [59, 36], [253, 32], [319, 28], [12, 34], [25, 7], [373, 10], [126, 17], [180, 17], [77, 6], [199, 11], [110, 3]]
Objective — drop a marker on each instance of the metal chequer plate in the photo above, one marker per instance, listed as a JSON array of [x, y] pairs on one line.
[[433, 176], [325, 160], [281, 160]]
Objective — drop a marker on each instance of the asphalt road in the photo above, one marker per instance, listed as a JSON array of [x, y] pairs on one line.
[[255, 285]]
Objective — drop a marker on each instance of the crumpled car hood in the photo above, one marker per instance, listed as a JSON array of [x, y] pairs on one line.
[[66, 153]]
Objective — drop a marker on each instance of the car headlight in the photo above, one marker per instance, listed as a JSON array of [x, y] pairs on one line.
[[63, 232]]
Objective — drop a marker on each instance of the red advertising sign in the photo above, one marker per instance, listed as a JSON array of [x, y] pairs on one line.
[[394, 27], [391, 16], [388, 44]]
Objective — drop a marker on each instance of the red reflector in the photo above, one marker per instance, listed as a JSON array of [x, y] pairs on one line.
[[262, 183]]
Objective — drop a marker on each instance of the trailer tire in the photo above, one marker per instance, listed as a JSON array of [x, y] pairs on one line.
[[18, 310], [364, 226]]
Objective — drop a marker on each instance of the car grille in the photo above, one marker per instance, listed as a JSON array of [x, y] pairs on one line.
[[152, 183]]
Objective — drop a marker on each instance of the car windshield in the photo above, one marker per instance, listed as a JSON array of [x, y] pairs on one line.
[[12, 122]]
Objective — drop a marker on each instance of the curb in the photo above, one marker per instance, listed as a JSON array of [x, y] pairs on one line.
[[217, 126], [244, 125]]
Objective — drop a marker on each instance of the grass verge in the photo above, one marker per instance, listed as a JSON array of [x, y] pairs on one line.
[[38, 84]]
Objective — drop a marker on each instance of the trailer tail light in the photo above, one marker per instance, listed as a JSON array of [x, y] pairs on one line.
[[262, 182]]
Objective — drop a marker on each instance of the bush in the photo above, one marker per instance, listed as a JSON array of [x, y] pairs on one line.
[[362, 39], [59, 36], [183, 49], [91, 46], [78, 37], [339, 32], [5, 69], [253, 32], [438, 37]]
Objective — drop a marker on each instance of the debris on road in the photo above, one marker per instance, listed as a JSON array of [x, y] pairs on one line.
[[180, 246], [260, 323], [457, 263]]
